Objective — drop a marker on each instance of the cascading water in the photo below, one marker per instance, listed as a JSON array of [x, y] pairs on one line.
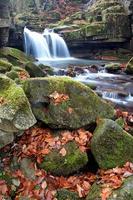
[[47, 45]]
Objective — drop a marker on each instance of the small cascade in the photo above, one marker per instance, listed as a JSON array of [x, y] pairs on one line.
[[47, 45], [110, 95]]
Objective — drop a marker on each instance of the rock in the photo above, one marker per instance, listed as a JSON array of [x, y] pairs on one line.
[[4, 21], [63, 194], [15, 56], [46, 69], [80, 108], [129, 67], [15, 111], [95, 192], [113, 67], [99, 22], [34, 70], [125, 192], [5, 138], [27, 168], [60, 165], [5, 66], [18, 73], [111, 145]]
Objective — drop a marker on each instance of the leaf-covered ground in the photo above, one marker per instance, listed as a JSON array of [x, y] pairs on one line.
[[37, 142]]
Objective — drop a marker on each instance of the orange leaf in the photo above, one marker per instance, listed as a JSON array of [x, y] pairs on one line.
[[63, 151]]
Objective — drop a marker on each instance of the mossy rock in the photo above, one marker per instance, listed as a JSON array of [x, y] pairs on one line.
[[15, 111], [46, 69], [63, 194], [113, 67], [5, 66], [125, 192], [15, 56], [111, 145], [66, 165], [12, 74], [129, 67], [85, 105], [95, 192], [34, 70]]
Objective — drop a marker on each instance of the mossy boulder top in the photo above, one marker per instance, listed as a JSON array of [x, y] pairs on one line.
[[15, 111], [60, 165], [81, 107], [111, 145]]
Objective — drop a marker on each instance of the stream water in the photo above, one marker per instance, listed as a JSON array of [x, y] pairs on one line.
[[49, 48]]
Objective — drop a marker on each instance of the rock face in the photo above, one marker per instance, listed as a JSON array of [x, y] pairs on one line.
[[60, 165], [101, 21], [124, 192], [65, 103], [109, 145], [4, 22], [15, 111]]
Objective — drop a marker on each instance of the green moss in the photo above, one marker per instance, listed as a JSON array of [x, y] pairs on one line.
[[111, 145], [95, 192], [113, 67], [12, 74], [86, 105], [15, 56], [129, 67], [15, 111], [63, 194], [5, 66], [59, 165]]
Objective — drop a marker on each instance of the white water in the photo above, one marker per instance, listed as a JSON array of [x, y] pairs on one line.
[[46, 45]]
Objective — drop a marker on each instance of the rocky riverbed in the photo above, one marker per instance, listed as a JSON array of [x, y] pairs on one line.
[[59, 139]]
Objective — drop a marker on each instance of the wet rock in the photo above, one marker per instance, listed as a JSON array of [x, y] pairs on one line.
[[111, 145], [113, 67], [48, 70], [93, 69], [64, 165], [80, 108], [63, 194], [34, 70], [15, 111]]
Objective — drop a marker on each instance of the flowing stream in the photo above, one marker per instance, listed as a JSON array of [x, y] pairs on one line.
[[50, 49]]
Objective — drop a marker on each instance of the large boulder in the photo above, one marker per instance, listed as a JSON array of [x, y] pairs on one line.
[[65, 103], [15, 111], [111, 145], [125, 192], [63, 165]]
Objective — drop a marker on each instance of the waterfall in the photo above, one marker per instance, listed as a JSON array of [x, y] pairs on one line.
[[46, 45]]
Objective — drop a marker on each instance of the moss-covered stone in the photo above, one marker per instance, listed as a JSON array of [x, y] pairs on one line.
[[125, 192], [15, 111], [84, 104], [113, 67], [63, 194], [95, 192], [60, 165], [14, 56], [129, 67], [5, 66], [34, 70], [111, 145]]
